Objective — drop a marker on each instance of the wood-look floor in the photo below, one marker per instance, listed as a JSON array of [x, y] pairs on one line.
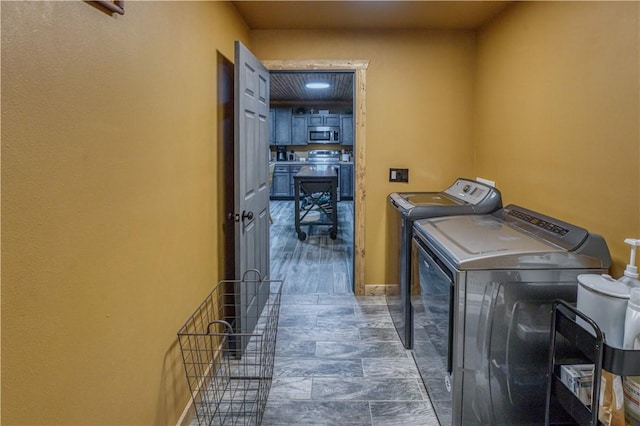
[[317, 265]]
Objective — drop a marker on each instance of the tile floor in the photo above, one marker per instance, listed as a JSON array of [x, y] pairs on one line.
[[338, 358], [340, 362]]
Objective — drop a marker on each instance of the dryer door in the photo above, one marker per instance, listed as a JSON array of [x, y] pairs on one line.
[[432, 302], [509, 352]]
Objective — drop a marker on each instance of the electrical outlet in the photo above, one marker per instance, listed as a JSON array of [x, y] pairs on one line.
[[398, 175]]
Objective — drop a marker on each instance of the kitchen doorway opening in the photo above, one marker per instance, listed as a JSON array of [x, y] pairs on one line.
[[345, 103]]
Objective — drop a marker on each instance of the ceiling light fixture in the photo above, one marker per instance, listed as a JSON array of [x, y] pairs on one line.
[[317, 85]]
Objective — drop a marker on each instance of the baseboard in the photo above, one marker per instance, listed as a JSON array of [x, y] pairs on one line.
[[375, 289], [187, 414]]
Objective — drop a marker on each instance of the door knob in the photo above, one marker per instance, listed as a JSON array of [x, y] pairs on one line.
[[247, 215]]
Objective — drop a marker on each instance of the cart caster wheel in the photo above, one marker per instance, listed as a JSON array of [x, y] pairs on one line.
[[333, 235], [302, 236]]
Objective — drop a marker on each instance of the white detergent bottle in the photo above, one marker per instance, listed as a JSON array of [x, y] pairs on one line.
[[631, 340], [630, 277]]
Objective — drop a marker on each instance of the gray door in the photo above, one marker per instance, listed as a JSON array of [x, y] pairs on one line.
[[251, 175]]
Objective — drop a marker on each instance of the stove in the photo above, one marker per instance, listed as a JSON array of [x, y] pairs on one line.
[[324, 156]]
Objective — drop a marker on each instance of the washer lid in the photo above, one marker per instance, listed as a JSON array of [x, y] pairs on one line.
[[486, 242], [604, 284], [463, 197], [481, 235], [426, 202], [430, 199]]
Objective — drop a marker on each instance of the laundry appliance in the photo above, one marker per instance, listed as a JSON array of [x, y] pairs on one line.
[[482, 292], [463, 197]]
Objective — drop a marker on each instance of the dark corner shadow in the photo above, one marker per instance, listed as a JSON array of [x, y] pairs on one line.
[[225, 165]]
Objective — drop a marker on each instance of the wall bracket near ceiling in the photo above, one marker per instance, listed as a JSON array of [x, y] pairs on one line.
[[109, 6]]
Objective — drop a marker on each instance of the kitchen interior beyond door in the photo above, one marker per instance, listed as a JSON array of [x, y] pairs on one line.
[[312, 127]]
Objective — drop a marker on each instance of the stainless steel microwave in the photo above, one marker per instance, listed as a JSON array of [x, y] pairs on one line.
[[325, 134]]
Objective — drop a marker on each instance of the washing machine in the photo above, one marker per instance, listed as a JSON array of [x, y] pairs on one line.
[[463, 197]]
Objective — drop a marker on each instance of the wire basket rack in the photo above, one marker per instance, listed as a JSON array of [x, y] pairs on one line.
[[228, 347]]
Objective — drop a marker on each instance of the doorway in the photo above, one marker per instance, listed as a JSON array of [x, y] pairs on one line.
[[358, 70]]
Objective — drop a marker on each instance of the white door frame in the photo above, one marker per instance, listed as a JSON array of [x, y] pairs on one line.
[[359, 67]]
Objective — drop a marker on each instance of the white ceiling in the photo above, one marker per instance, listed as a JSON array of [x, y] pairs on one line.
[[369, 15]]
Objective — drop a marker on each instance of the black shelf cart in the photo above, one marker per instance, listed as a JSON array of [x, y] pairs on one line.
[[573, 344], [318, 186]]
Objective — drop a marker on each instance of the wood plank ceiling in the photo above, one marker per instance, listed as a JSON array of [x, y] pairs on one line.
[[290, 86]]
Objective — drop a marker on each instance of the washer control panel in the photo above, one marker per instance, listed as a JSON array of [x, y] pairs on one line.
[[553, 230], [469, 191]]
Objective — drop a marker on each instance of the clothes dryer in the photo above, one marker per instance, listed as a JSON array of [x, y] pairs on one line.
[[482, 293]]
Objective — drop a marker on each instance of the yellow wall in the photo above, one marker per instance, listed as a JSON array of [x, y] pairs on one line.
[[544, 100], [557, 113], [419, 109], [110, 210], [109, 204]]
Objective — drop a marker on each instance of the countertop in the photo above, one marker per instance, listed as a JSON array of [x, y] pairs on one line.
[[319, 171]]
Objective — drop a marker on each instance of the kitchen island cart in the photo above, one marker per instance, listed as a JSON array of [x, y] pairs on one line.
[[315, 195]]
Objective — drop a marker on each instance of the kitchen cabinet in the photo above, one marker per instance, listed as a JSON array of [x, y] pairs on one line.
[[332, 120], [346, 130], [272, 126], [346, 181], [315, 120], [280, 186], [324, 120], [283, 183], [299, 129], [280, 126], [293, 170]]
